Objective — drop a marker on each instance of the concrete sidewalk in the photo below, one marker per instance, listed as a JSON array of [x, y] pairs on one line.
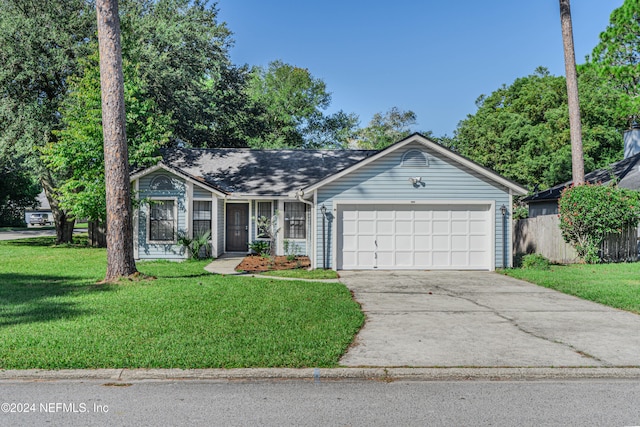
[[226, 264]]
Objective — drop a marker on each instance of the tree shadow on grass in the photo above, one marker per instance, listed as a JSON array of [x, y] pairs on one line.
[[31, 298], [80, 242]]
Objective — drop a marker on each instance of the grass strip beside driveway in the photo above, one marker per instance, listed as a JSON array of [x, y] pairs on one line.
[[53, 315], [615, 285]]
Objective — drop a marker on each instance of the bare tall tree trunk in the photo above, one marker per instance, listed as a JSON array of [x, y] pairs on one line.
[[120, 260], [577, 158]]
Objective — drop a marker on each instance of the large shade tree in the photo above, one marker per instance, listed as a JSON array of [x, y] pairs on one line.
[[79, 146], [522, 130], [40, 44], [617, 56], [386, 128], [287, 104]]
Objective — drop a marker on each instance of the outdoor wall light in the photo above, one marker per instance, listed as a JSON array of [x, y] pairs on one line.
[[415, 179], [503, 209]]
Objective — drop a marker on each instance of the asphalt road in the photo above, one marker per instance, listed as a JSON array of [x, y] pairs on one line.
[[302, 403], [32, 232]]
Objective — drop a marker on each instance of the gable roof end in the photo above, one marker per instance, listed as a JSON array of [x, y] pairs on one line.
[[445, 152]]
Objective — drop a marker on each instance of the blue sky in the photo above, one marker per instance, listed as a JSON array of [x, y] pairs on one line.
[[433, 57]]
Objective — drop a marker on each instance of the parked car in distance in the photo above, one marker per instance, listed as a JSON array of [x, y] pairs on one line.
[[40, 219]]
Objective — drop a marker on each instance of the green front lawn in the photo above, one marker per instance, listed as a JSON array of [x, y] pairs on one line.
[[615, 285], [53, 315]]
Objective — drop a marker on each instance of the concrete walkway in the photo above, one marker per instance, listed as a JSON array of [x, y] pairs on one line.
[[226, 264], [482, 319]]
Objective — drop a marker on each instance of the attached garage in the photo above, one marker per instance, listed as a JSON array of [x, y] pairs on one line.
[[429, 235], [414, 205]]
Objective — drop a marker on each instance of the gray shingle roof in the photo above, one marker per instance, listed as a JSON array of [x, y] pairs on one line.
[[626, 172], [260, 172]]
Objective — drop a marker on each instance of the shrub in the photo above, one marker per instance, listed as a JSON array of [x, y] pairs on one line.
[[589, 212], [196, 244], [535, 262], [261, 247]]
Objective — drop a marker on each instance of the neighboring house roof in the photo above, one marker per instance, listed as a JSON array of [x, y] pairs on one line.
[[626, 172], [259, 172], [440, 149], [42, 204]]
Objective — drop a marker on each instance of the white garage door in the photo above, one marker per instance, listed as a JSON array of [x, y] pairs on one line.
[[447, 236]]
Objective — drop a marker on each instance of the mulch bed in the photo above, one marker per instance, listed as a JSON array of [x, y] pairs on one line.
[[256, 264]]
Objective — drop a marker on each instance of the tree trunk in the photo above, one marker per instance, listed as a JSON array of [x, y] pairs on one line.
[[120, 260], [577, 158], [97, 234], [64, 223]]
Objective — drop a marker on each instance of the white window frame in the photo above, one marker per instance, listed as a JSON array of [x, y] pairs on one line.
[[175, 224], [285, 223], [255, 222], [193, 214]]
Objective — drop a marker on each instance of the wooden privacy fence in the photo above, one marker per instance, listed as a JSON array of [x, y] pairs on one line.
[[542, 235]]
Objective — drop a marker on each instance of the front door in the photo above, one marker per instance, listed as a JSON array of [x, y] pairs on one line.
[[237, 227]]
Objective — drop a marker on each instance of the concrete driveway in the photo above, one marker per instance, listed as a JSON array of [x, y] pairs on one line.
[[483, 319]]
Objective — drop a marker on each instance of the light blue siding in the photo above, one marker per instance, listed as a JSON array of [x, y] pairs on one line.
[[387, 179], [178, 192], [201, 193]]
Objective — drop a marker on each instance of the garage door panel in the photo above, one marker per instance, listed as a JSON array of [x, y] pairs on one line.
[[441, 227], [441, 242], [385, 242], [478, 259], [422, 259], [404, 259], [404, 243], [477, 243], [384, 227], [366, 214], [404, 226], [460, 243], [385, 258], [478, 227], [438, 213], [420, 214], [366, 242], [459, 215], [422, 228], [460, 227], [441, 259], [421, 243], [366, 226], [418, 236], [366, 259]]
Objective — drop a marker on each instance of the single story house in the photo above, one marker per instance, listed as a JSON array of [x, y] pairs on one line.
[[625, 172], [413, 205]]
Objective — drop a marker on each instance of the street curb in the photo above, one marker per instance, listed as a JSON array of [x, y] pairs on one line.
[[319, 374]]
